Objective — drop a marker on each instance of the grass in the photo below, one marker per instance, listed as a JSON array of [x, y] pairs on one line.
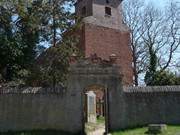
[[101, 120], [171, 130]]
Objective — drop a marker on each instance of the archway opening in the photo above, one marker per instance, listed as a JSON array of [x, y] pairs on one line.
[[95, 109]]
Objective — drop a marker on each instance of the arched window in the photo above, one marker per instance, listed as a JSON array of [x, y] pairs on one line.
[[108, 11], [83, 11]]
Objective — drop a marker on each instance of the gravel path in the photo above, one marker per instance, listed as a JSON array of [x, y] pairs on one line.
[[100, 129], [97, 132]]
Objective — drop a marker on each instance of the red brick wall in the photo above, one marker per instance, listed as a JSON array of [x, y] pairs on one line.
[[106, 41]]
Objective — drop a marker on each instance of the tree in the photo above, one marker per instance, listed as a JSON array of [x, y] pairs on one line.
[[18, 38], [162, 78], [151, 71], [159, 38], [152, 29], [53, 64], [56, 18], [9, 47], [56, 25], [132, 17], [171, 35], [25, 25]]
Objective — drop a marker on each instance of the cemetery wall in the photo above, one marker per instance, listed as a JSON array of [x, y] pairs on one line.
[[41, 109], [140, 106]]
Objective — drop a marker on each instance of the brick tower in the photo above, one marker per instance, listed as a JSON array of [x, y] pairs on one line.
[[103, 33]]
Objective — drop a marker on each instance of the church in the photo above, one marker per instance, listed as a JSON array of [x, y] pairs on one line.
[[103, 33]]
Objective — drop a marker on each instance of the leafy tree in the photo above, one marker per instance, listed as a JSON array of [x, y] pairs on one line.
[[28, 30], [9, 47], [150, 74], [53, 64], [161, 78], [18, 38], [26, 25], [177, 80], [55, 19], [57, 26]]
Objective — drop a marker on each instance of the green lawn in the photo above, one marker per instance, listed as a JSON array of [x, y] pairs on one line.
[[171, 130], [101, 120]]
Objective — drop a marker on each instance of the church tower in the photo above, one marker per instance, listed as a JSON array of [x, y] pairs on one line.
[[103, 33]]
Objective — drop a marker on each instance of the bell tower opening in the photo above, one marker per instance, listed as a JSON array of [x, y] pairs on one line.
[[107, 1], [108, 11], [83, 8], [83, 11]]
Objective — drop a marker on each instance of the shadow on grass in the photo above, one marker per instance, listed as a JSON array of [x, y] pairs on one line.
[[152, 133], [39, 132]]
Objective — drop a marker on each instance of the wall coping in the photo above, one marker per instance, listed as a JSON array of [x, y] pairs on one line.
[[31, 90], [153, 89], [60, 90]]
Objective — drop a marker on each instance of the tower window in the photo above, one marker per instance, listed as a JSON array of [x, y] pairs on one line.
[[107, 1], [108, 11], [83, 11]]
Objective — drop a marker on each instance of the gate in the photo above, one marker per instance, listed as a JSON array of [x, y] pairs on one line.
[[91, 72]]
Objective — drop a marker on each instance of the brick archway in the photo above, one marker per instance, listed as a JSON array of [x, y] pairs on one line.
[[88, 72]]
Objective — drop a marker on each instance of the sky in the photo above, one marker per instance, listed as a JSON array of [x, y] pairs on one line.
[[159, 3]]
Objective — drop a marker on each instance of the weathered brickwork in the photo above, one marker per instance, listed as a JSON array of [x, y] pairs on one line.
[[105, 34], [106, 41]]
